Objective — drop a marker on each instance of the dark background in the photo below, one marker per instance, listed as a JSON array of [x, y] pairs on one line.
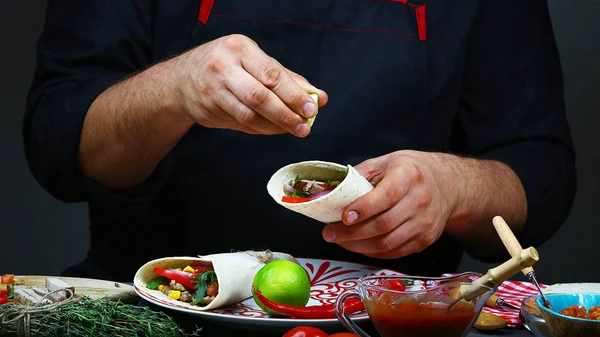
[[41, 235]]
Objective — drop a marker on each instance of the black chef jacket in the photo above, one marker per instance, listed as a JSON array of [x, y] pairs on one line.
[[480, 78]]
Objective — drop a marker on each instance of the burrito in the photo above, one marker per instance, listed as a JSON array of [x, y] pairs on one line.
[[318, 189], [204, 282]]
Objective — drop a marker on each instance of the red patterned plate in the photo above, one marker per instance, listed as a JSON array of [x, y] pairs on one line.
[[328, 279]]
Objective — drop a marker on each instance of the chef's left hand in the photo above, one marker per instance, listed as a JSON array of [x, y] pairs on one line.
[[415, 193]]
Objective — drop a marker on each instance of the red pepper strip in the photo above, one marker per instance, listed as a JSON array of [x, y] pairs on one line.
[[186, 282], [294, 200], [351, 306], [3, 293]]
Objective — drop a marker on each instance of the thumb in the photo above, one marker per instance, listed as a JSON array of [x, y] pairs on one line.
[[306, 86]]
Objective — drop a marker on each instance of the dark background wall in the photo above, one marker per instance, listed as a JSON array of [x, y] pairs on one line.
[[40, 235]]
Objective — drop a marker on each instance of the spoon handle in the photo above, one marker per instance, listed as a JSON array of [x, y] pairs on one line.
[[495, 276], [510, 241]]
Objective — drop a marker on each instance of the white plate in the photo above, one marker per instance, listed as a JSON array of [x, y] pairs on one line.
[[573, 288], [328, 279]]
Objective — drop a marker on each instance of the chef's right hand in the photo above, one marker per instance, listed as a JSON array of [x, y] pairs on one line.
[[230, 83]]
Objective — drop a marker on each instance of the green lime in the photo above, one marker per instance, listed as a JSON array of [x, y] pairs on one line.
[[284, 282], [315, 97]]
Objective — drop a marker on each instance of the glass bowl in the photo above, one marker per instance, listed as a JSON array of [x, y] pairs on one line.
[[532, 317], [403, 305]]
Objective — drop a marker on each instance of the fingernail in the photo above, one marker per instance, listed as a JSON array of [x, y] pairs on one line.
[[302, 129], [352, 216], [329, 235], [310, 110]]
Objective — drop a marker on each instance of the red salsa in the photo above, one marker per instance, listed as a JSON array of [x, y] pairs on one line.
[[580, 312], [420, 319]]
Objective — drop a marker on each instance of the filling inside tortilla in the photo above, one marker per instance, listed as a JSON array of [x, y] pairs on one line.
[[303, 190], [195, 284]]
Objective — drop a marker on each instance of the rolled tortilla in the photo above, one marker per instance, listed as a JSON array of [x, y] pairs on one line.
[[328, 208], [235, 273]]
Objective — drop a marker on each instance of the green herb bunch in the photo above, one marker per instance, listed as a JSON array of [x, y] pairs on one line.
[[89, 318]]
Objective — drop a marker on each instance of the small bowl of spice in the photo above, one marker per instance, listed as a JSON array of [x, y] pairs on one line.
[[532, 317], [572, 314]]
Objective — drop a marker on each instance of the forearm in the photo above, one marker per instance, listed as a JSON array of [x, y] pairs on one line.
[[131, 126], [486, 188]]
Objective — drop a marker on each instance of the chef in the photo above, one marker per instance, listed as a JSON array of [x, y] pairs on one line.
[[168, 118]]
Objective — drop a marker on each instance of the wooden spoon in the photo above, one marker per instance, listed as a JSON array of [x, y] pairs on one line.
[[495, 276], [513, 246], [487, 321]]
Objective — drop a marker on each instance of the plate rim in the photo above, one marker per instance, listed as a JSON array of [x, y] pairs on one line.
[[282, 321]]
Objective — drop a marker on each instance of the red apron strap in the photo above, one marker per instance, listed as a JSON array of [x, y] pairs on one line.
[[205, 9], [422, 21]]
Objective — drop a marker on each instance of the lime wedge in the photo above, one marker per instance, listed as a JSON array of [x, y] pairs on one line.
[[316, 98]]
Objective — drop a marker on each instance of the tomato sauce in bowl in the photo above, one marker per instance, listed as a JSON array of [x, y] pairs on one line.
[[414, 319]]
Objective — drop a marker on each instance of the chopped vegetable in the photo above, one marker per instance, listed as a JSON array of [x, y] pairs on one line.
[[301, 190], [300, 194], [202, 285], [178, 276], [4, 293], [212, 289], [175, 294], [11, 294], [195, 284], [285, 198], [7, 278], [156, 282], [201, 269], [183, 273], [3, 300]]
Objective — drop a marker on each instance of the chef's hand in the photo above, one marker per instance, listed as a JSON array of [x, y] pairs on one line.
[[407, 211], [230, 83]]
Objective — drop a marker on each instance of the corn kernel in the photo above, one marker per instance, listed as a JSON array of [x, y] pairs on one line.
[[189, 269], [161, 287], [175, 294]]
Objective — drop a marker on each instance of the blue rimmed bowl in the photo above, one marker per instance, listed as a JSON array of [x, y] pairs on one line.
[[567, 326]]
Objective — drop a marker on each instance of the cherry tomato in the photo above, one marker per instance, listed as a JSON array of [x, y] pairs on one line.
[[8, 278], [344, 334], [306, 331], [3, 300], [213, 289], [396, 285], [3, 293]]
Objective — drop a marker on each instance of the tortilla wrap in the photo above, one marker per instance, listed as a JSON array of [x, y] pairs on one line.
[[235, 273], [327, 208]]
